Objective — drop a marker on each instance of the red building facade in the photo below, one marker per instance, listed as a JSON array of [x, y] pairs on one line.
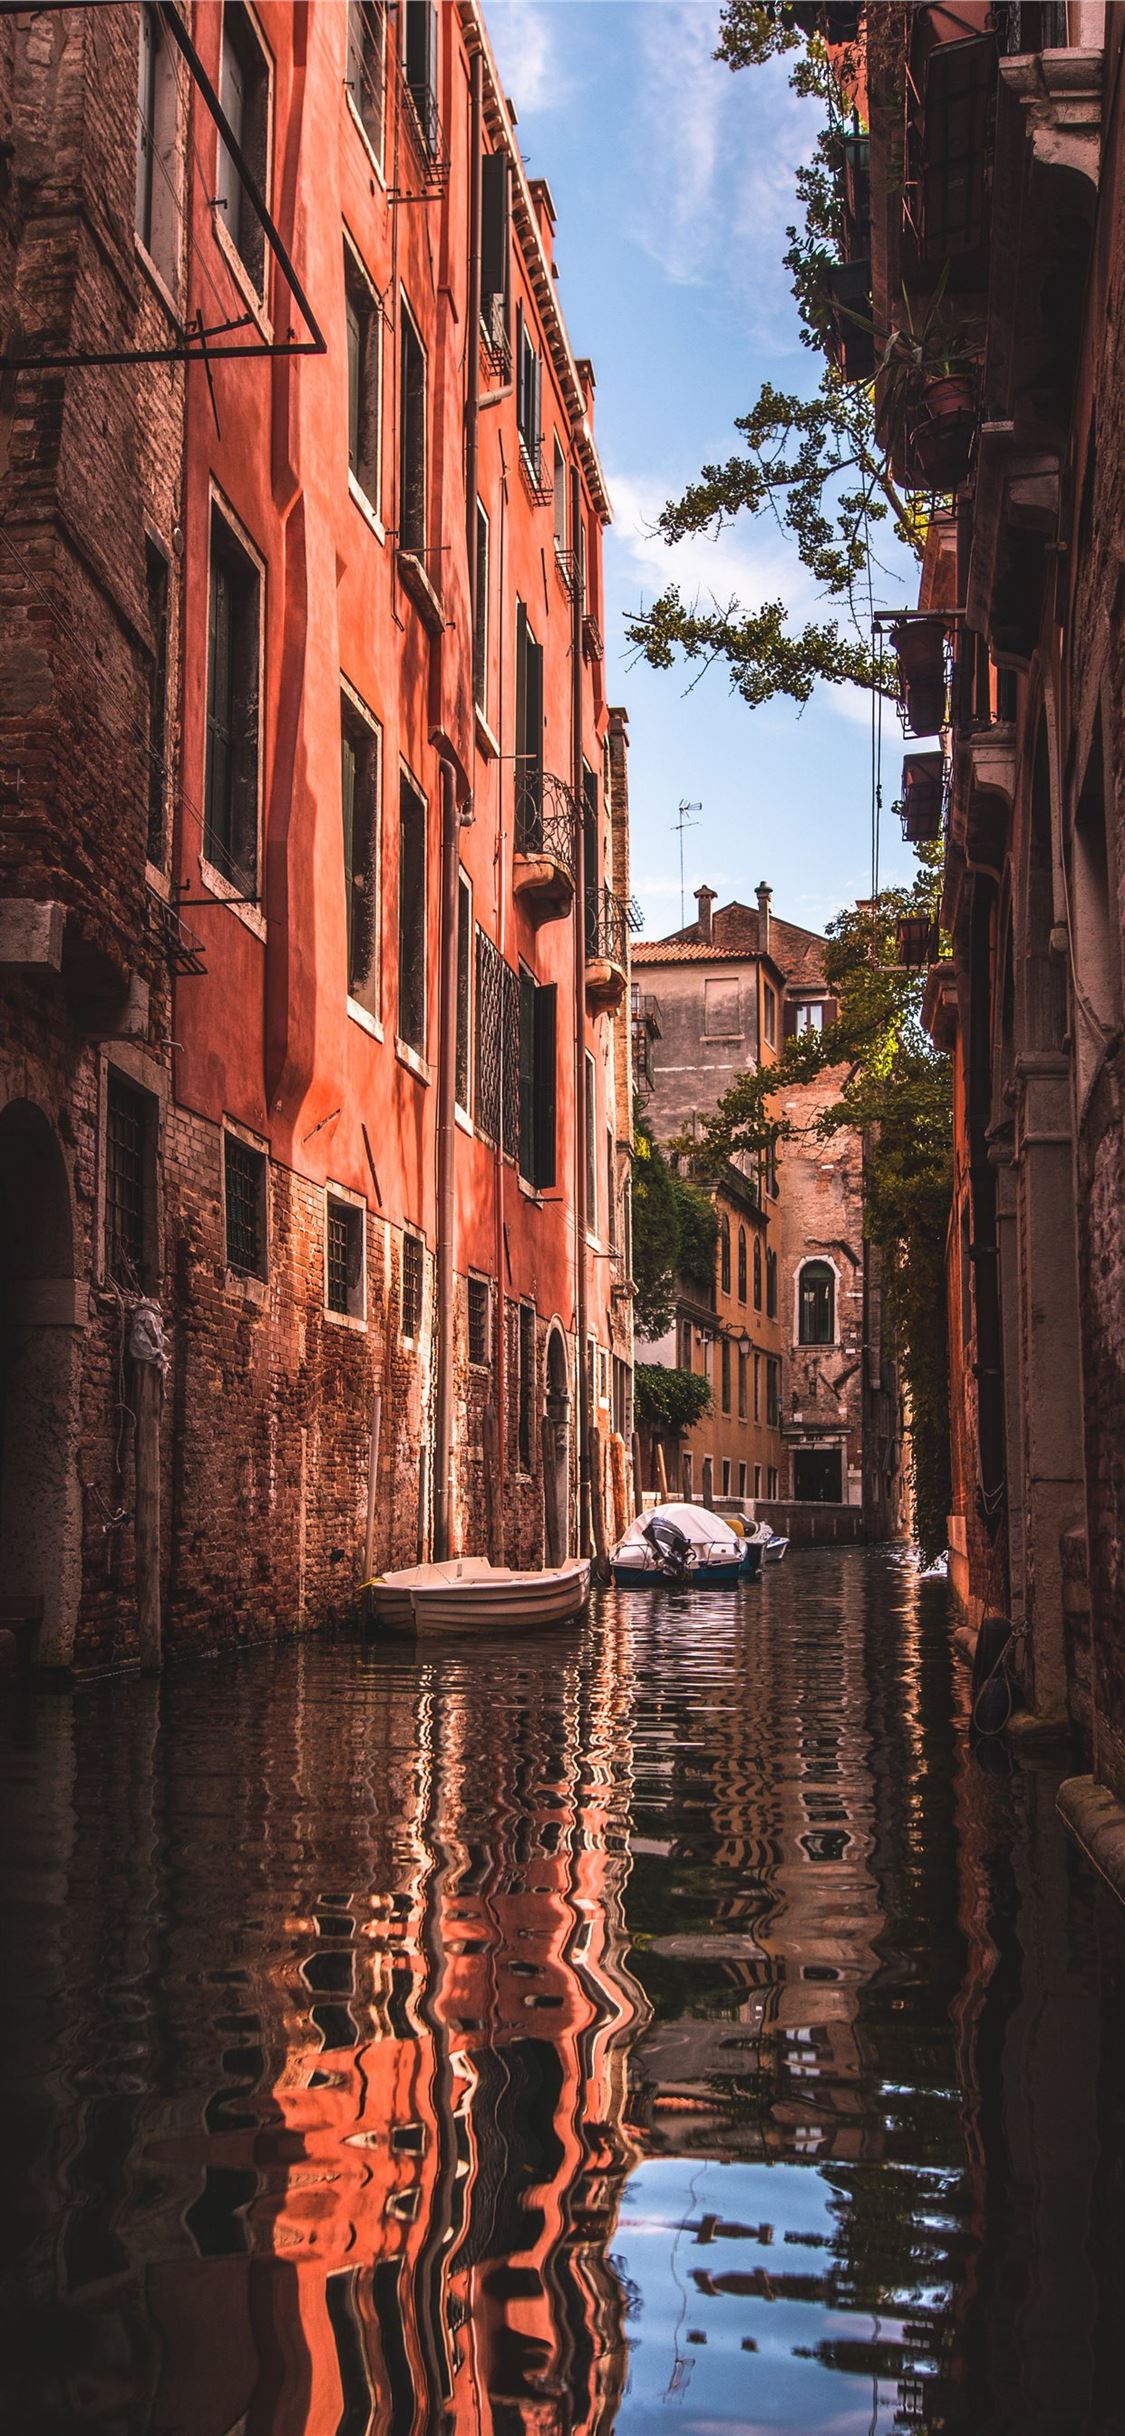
[[365, 1149]]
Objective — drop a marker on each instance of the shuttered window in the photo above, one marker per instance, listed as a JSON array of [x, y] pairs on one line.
[[537, 1108], [359, 800], [412, 918], [230, 833]]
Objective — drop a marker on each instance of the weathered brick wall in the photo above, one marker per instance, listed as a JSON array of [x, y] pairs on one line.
[[820, 1211]]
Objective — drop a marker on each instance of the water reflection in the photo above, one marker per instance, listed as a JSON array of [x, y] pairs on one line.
[[672, 2028]]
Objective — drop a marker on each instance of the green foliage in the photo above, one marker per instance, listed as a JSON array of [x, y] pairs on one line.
[[669, 1399], [674, 1235]]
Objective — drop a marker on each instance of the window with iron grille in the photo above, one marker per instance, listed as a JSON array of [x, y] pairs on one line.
[[479, 1294], [526, 1413], [129, 1133], [413, 1281], [343, 1249], [245, 1182], [497, 1046]]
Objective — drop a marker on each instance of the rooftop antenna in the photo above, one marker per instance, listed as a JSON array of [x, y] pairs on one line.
[[684, 822]]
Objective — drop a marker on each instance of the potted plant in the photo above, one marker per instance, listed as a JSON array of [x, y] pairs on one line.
[[928, 389], [919, 645], [923, 797]]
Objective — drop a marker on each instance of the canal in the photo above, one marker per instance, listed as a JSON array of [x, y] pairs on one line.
[[675, 2027]]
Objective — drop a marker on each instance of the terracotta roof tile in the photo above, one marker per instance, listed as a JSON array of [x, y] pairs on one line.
[[734, 932]]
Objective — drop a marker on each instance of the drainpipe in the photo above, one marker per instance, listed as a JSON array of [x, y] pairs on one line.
[[472, 395], [579, 1035], [446, 1138]]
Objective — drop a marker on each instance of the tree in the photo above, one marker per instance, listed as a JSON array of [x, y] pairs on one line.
[[669, 1399], [674, 1232]]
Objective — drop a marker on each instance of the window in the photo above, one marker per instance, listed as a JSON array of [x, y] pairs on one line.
[[622, 1399], [411, 917], [560, 496], [757, 1480], [810, 1017], [725, 1373], [365, 76], [130, 1138], [359, 797], [773, 1391], [726, 1476], [419, 49], [529, 377], [244, 91], [742, 1480], [529, 736], [364, 327], [603, 1375], [771, 1285], [479, 1302], [769, 1002], [684, 1335], [743, 1380], [245, 1196], [771, 1169], [771, 1481], [480, 614], [156, 588], [412, 472], [538, 1023], [158, 178], [757, 1387], [413, 1287], [816, 1304], [230, 825], [610, 1190], [591, 1146], [627, 1224], [720, 1010], [498, 1075], [526, 1407], [757, 1273], [591, 861], [343, 1257], [724, 1253], [464, 988], [742, 1264], [495, 249]]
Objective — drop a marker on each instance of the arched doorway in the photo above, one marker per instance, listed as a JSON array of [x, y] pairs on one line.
[[40, 1497], [556, 1451]]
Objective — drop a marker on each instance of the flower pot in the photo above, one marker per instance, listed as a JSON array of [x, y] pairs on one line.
[[919, 645], [942, 436], [923, 797]]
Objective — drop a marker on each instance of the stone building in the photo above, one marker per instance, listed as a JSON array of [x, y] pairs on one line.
[[804, 1395], [313, 924], [1022, 588]]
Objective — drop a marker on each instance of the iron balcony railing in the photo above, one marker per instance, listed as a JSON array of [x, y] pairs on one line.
[[646, 1027], [538, 482], [545, 817], [607, 925], [425, 134]]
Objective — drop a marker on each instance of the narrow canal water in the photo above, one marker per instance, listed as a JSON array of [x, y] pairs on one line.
[[674, 2027]]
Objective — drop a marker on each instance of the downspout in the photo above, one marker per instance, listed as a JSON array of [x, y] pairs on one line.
[[579, 1034]]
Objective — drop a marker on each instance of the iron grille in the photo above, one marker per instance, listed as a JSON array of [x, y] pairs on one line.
[[125, 1140], [593, 647], [537, 481], [425, 135], [413, 1273], [568, 566], [545, 817], [606, 926], [246, 1207], [498, 1046], [480, 1313], [345, 1258]]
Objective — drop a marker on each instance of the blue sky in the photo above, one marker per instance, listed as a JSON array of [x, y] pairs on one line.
[[673, 181]]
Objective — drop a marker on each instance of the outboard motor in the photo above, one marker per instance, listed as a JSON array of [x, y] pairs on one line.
[[671, 1547]]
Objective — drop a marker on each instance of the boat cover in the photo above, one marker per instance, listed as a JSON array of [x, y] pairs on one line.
[[704, 1529]]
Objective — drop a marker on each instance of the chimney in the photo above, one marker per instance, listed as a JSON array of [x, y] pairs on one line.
[[705, 898], [764, 893]]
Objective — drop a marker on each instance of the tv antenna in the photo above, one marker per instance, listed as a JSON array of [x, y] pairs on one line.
[[684, 822]]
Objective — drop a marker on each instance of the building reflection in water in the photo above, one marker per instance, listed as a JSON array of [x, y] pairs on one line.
[[678, 2019]]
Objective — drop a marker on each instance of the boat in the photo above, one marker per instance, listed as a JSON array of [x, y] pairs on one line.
[[776, 1547], [467, 1594], [684, 1543]]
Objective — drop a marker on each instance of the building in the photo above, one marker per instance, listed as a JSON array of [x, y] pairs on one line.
[[805, 1406], [1021, 585], [315, 866]]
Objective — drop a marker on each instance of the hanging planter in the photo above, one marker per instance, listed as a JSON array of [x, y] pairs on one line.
[[919, 645], [923, 798], [916, 940], [941, 438]]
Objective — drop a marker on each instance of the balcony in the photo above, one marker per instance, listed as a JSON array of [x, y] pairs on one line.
[[537, 480], [647, 1026], [922, 805], [425, 139], [607, 954], [543, 868]]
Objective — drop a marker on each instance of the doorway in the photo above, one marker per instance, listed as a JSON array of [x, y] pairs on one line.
[[818, 1475], [40, 1501], [556, 1451]]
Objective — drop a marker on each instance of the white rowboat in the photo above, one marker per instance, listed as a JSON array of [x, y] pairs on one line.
[[468, 1595]]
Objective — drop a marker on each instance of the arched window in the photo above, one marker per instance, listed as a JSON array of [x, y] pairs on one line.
[[816, 1304], [757, 1273], [742, 1264], [771, 1285], [724, 1253]]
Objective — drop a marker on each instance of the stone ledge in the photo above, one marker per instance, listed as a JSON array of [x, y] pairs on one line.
[[1096, 1819]]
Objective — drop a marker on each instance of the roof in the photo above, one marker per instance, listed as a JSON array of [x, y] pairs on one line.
[[798, 954]]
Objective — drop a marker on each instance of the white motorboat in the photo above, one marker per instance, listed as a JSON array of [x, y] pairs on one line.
[[467, 1594], [683, 1543], [776, 1547]]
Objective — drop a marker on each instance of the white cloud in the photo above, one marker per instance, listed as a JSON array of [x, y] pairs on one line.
[[745, 563], [524, 37]]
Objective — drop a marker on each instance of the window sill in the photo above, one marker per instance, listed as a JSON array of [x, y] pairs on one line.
[[156, 279], [487, 743], [366, 1021], [225, 893], [369, 513], [254, 1291], [364, 138], [413, 1060], [416, 582], [158, 880], [355, 1320], [255, 297], [462, 1118]]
